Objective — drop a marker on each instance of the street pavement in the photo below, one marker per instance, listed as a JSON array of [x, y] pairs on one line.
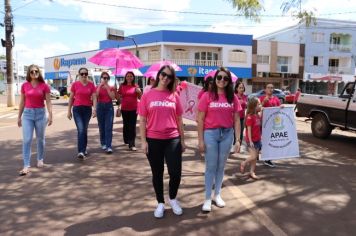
[[113, 194]]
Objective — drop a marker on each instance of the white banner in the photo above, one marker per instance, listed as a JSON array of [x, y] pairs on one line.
[[279, 134], [189, 100]]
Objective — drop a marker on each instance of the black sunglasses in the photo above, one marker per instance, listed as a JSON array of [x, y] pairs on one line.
[[164, 74], [220, 77], [84, 74], [34, 72], [105, 77]]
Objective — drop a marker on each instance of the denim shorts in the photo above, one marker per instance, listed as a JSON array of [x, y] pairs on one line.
[[257, 145]]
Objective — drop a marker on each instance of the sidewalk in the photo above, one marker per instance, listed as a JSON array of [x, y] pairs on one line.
[[3, 104]]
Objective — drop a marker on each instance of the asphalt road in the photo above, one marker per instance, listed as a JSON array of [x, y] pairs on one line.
[[113, 195]]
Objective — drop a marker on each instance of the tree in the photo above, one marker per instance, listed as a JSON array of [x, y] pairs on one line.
[[252, 9]]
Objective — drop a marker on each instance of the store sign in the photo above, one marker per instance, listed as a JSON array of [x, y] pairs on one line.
[[58, 63]]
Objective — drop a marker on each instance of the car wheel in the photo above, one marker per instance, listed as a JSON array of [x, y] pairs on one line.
[[320, 126]]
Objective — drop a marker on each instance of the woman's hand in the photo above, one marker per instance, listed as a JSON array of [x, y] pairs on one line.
[[237, 146], [93, 113], [201, 146], [69, 115], [50, 120], [144, 147], [183, 146], [19, 122]]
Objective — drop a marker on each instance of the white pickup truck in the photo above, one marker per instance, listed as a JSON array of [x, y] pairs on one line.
[[329, 112]]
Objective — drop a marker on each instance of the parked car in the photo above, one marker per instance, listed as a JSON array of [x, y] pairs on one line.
[[54, 93], [329, 112], [276, 92]]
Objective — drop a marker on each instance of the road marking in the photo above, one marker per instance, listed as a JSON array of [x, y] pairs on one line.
[[258, 213]]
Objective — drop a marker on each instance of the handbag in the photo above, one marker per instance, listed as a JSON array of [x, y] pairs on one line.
[[118, 112]]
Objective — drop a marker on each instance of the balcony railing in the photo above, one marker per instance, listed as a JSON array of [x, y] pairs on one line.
[[340, 47], [339, 70], [190, 62]]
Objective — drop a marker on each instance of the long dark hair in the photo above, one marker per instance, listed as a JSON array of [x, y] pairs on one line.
[[125, 81], [228, 90], [208, 80], [172, 85], [237, 86], [40, 77]]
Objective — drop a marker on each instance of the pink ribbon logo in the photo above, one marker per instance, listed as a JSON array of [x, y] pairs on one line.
[[191, 104]]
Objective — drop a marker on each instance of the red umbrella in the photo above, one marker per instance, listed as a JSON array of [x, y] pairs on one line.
[[118, 58]]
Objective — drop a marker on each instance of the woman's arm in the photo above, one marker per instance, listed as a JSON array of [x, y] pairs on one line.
[[200, 119], [111, 93], [143, 134], [49, 108], [70, 104], [249, 131], [181, 132], [21, 108], [237, 127], [94, 97]]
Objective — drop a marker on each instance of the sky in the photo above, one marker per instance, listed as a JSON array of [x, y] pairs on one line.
[[46, 28]]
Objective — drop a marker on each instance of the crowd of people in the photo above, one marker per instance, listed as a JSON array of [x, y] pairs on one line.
[[224, 112]]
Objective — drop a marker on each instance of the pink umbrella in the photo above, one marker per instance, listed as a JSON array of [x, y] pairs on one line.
[[212, 74], [118, 58], [123, 71], [158, 65], [151, 74]]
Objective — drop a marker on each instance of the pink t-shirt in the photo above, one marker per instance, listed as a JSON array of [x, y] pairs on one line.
[[103, 95], [243, 103], [220, 113], [35, 96], [161, 109], [273, 102], [147, 88], [83, 93], [200, 94], [255, 122], [128, 97]]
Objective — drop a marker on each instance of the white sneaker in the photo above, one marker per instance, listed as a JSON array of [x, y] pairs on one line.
[[159, 212], [109, 151], [219, 202], [175, 207], [207, 205], [81, 156], [40, 164], [103, 147], [133, 148]]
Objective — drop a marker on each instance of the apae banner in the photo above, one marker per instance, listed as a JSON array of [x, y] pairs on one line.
[[189, 100], [279, 134]]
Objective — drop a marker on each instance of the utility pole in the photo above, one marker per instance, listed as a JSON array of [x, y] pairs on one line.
[[9, 38]]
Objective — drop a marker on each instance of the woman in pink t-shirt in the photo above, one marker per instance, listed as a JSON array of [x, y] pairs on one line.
[[240, 93], [128, 94], [105, 111], [150, 82], [82, 98], [32, 115], [162, 136], [253, 135], [208, 82], [218, 117]]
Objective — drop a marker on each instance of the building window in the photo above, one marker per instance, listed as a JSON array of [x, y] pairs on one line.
[[262, 59], [316, 61], [154, 55], [283, 64], [180, 54], [317, 37], [237, 55], [206, 58]]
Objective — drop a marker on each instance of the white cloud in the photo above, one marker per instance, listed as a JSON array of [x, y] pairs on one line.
[[49, 28], [128, 18], [35, 55], [88, 46], [20, 30]]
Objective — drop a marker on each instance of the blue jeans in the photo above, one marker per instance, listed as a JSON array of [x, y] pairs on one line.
[[82, 116], [33, 119], [105, 115], [217, 148]]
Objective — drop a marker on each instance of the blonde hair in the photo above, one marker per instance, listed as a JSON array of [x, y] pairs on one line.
[[252, 105]]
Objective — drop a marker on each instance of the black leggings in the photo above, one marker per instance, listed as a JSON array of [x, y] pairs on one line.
[[129, 119], [171, 151]]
